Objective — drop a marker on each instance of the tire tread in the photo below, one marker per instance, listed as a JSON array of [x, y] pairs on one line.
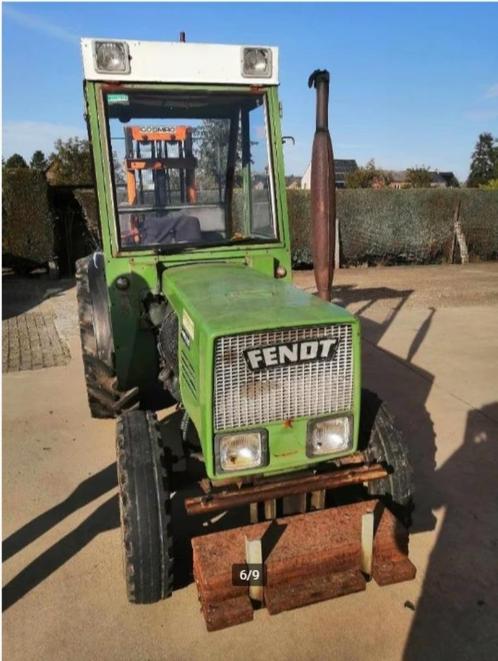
[[383, 442], [145, 508], [104, 398]]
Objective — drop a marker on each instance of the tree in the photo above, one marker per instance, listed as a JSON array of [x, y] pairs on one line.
[[419, 177], [15, 161], [71, 163], [38, 161], [368, 177], [213, 137], [484, 164], [492, 184]]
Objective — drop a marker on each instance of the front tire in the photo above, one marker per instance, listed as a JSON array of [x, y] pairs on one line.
[[145, 508], [382, 442], [105, 399]]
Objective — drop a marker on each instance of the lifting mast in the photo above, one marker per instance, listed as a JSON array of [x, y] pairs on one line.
[[159, 162]]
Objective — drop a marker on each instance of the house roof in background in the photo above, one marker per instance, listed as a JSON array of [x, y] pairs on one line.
[[448, 178], [345, 165]]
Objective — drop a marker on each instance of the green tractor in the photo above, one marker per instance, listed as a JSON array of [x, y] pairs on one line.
[[191, 296]]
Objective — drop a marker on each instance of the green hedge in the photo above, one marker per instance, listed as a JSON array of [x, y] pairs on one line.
[[376, 226], [401, 226], [27, 228], [87, 200]]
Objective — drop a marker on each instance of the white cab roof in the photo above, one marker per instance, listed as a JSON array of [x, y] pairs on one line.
[[178, 62]]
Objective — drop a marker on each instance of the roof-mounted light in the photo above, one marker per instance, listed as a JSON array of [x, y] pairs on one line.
[[256, 63], [111, 57]]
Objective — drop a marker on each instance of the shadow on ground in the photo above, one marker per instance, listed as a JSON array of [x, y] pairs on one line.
[[456, 616], [457, 612], [105, 517], [19, 295], [455, 603]]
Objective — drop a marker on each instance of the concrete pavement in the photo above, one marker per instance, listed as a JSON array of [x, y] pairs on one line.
[[430, 349]]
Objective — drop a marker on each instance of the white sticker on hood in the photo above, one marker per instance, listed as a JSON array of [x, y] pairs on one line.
[[188, 324]]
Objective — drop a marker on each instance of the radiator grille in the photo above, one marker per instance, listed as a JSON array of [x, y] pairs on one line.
[[243, 397]]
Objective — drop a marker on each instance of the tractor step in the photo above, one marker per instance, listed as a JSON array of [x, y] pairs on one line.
[[307, 558]]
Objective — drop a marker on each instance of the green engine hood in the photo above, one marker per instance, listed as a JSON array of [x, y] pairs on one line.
[[227, 298], [216, 300]]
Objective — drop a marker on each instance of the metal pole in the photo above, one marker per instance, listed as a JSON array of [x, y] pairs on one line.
[[322, 189]]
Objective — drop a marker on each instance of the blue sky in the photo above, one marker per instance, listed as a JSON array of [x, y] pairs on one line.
[[412, 84]]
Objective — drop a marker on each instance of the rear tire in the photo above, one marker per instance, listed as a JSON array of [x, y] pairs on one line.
[[105, 399], [383, 443], [145, 508]]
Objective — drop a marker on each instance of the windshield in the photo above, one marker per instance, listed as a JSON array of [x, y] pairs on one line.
[[190, 170]]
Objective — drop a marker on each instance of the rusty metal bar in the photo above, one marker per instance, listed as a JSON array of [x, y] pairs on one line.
[[225, 500], [236, 481]]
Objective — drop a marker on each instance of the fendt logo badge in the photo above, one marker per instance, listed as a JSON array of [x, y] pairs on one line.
[[292, 353]]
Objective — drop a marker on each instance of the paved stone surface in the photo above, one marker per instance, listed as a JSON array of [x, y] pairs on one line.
[[30, 341]]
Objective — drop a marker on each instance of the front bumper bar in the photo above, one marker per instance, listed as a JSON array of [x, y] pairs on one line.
[[236, 497]]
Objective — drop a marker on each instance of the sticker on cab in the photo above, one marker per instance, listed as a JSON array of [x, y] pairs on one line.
[[113, 99]]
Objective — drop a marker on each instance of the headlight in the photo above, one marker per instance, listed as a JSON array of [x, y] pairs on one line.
[[329, 435], [256, 62], [241, 450], [111, 57]]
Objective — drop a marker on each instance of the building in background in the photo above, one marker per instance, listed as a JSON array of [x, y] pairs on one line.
[[293, 182], [399, 179], [342, 167]]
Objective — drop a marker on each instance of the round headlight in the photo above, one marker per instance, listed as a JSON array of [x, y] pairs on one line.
[[111, 57]]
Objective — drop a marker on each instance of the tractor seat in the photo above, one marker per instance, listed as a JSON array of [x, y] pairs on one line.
[[172, 227]]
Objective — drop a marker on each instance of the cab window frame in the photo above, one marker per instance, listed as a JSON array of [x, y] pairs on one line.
[[144, 88]]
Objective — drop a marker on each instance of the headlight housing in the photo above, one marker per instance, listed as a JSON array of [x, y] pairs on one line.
[[256, 62], [111, 57], [329, 435], [239, 451]]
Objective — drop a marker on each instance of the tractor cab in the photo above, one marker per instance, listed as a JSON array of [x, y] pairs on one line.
[[191, 166], [196, 169]]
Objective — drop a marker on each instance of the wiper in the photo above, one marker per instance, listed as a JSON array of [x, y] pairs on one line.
[[236, 242], [170, 248], [252, 239], [176, 247]]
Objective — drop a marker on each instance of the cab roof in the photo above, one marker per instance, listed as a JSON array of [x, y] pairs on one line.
[[179, 62]]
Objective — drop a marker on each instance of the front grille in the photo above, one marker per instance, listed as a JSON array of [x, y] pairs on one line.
[[245, 398]]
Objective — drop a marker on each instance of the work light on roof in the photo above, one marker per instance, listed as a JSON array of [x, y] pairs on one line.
[[256, 62], [111, 57]]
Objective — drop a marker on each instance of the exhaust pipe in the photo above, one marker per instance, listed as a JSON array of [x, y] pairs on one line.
[[322, 189]]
